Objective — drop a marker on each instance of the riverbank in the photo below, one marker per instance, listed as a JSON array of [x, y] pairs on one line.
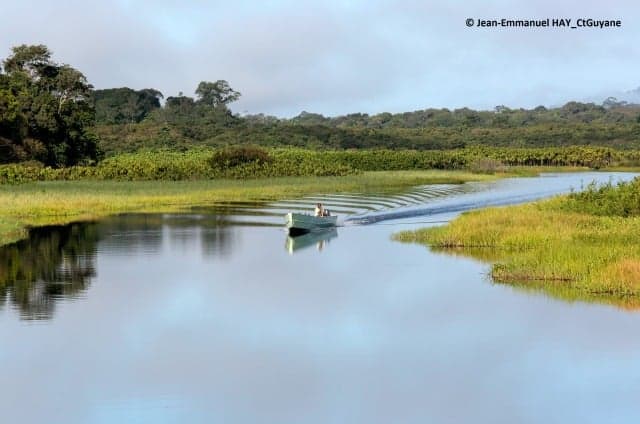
[[582, 246], [60, 202]]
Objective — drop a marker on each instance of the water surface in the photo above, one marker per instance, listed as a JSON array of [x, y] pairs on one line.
[[218, 316]]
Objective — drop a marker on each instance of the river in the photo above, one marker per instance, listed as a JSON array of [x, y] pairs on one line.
[[216, 316]]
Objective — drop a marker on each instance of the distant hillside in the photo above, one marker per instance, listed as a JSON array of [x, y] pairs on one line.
[[129, 120]]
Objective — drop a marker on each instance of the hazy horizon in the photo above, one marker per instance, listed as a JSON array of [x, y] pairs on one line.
[[337, 58]]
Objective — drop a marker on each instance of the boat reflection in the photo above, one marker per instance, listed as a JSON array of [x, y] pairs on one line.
[[318, 238]]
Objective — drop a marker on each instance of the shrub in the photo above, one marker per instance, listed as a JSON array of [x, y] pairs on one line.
[[608, 199], [486, 166], [255, 162], [32, 164], [230, 157]]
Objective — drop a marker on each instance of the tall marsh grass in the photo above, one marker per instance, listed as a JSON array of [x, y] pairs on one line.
[[587, 242], [622, 199], [59, 202]]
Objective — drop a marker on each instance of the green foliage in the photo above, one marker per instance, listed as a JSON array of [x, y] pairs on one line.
[[231, 157], [500, 117], [192, 126], [216, 94], [255, 162], [622, 199], [581, 246], [468, 158], [124, 105], [208, 122], [190, 165], [192, 121], [546, 244], [45, 110], [60, 202], [486, 166]]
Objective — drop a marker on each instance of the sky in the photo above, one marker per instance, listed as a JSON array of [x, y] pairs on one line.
[[338, 57]]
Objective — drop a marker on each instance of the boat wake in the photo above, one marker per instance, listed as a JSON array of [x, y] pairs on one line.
[[427, 200], [445, 207]]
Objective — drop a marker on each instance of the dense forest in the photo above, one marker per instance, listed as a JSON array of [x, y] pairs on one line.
[[49, 113], [182, 123], [45, 110]]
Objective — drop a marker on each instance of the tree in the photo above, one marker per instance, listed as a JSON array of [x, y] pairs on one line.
[[216, 94], [30, 59], [124, 105], [45, 109], [611, 102]]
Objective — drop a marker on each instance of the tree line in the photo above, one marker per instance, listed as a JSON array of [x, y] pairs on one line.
[[49, 113]]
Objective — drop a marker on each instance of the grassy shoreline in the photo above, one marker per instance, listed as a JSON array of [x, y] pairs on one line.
[[563, 247], [60, 202]]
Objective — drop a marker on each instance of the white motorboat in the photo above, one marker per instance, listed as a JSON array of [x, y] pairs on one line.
[[300, 223]]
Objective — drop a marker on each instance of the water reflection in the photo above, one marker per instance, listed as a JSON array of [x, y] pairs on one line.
[[319, 239], [53, 263], [148, 233], [566, 292], [203, 318], [562, 290], [59, 262]]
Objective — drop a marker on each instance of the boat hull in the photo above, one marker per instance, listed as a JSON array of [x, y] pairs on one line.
[[299, 223]]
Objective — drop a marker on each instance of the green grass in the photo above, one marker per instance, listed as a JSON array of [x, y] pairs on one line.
[[560, 246], [59, 202]]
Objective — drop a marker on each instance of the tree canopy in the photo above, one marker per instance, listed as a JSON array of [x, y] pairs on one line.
[[48, 112], [124, 105], [216, 94], [45, 110]]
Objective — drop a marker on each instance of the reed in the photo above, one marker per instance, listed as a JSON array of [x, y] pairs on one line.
[[585, 242]]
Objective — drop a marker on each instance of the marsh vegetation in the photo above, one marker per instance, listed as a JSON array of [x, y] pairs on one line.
[[57, 202], [585, 243]]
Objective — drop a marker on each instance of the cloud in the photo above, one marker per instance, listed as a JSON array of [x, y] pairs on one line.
[[337, 57]]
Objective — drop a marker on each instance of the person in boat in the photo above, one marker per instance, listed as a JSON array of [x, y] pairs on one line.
[[321, 211]]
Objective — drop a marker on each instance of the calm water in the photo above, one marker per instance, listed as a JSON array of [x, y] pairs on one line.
[[218, 317]]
